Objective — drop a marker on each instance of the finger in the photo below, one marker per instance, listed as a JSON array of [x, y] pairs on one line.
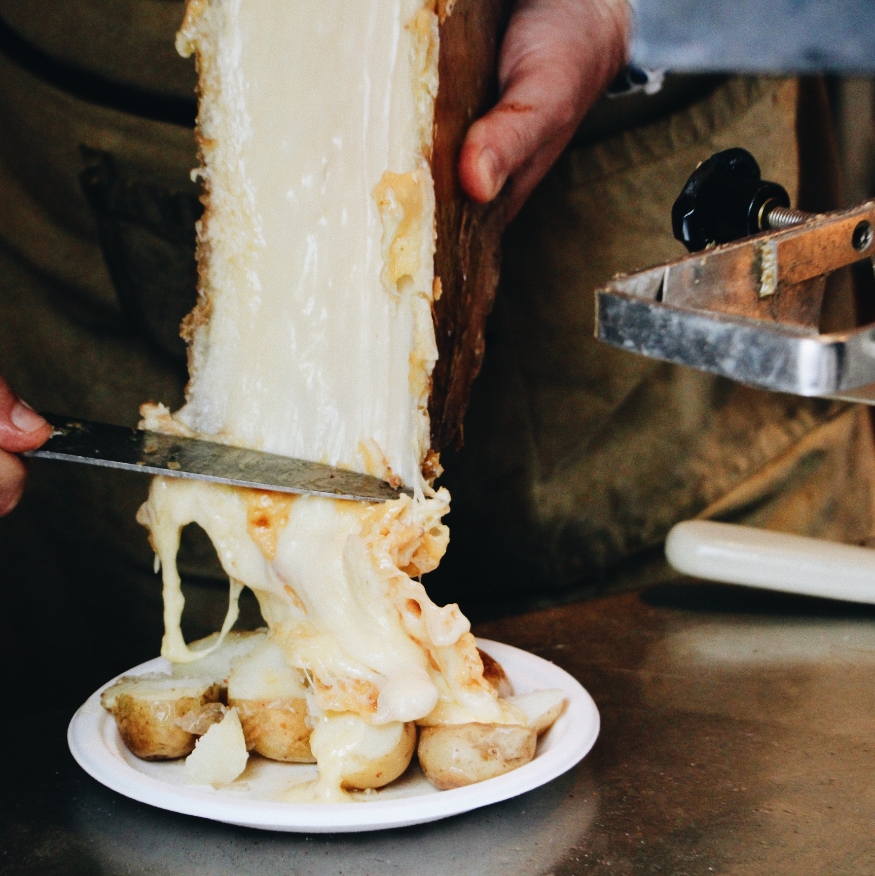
[[12, 474], [534, 110], [21, 427]]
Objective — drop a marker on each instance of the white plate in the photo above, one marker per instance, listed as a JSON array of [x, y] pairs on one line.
[[254, 800]]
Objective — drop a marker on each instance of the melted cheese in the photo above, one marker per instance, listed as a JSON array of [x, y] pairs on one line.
[[314, 338], [343, 744], [338, 597]]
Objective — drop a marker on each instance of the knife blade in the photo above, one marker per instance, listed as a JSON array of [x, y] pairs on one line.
[[84, 441]]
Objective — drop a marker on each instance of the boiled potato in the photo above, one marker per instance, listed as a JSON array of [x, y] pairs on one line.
[[199, 720], [147, 708], [453, 755], [217, 666], [360, 755], [276, 729], [270, 697], [541, 707], [220, 755], [384, 766]]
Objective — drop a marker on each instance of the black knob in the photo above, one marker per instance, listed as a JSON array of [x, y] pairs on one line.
[[724, 200]]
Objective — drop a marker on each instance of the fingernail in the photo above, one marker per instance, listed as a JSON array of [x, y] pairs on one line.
[[25, 418], [491, 170]]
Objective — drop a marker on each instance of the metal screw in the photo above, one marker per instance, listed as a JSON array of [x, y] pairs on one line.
[[777, 217], [861, 239]]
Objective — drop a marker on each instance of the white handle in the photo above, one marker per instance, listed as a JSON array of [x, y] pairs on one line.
[[774, 560]]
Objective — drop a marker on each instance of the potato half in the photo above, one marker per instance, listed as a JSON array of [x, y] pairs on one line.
[[385, 766], [357, 755], [453, 755], [217, 665], [541, 707], [146, 709], [220, 755], [270, 696], [276, 729]]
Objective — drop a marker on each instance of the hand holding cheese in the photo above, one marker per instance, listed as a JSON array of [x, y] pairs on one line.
[[557, 58], [21, 429]]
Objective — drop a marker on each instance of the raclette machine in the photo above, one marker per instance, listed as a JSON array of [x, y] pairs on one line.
[[746, 304]]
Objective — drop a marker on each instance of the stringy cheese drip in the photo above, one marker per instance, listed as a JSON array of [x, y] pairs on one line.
[[313, 338], [363, 632]]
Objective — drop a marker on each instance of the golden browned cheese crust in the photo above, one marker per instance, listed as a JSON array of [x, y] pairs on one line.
[[494, 673]]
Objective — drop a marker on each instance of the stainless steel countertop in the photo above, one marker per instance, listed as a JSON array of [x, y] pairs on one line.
[[738, 737]]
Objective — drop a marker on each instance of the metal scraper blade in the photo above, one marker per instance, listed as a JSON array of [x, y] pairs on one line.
[[76, 440]]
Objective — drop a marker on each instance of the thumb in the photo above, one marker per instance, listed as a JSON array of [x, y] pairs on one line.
[[523, 134], [21, 427], [500, 143]]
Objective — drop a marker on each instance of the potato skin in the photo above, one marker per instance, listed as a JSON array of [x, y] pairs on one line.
[[382, 770], [148, 726], [454, 755], [276, 729]]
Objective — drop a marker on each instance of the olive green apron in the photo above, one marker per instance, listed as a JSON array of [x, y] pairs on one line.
[[578, 458]]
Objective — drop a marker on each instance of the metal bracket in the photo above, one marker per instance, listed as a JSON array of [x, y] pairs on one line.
[[749, 310]]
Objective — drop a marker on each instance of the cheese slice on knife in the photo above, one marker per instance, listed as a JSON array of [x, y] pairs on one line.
[[314, 338]]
